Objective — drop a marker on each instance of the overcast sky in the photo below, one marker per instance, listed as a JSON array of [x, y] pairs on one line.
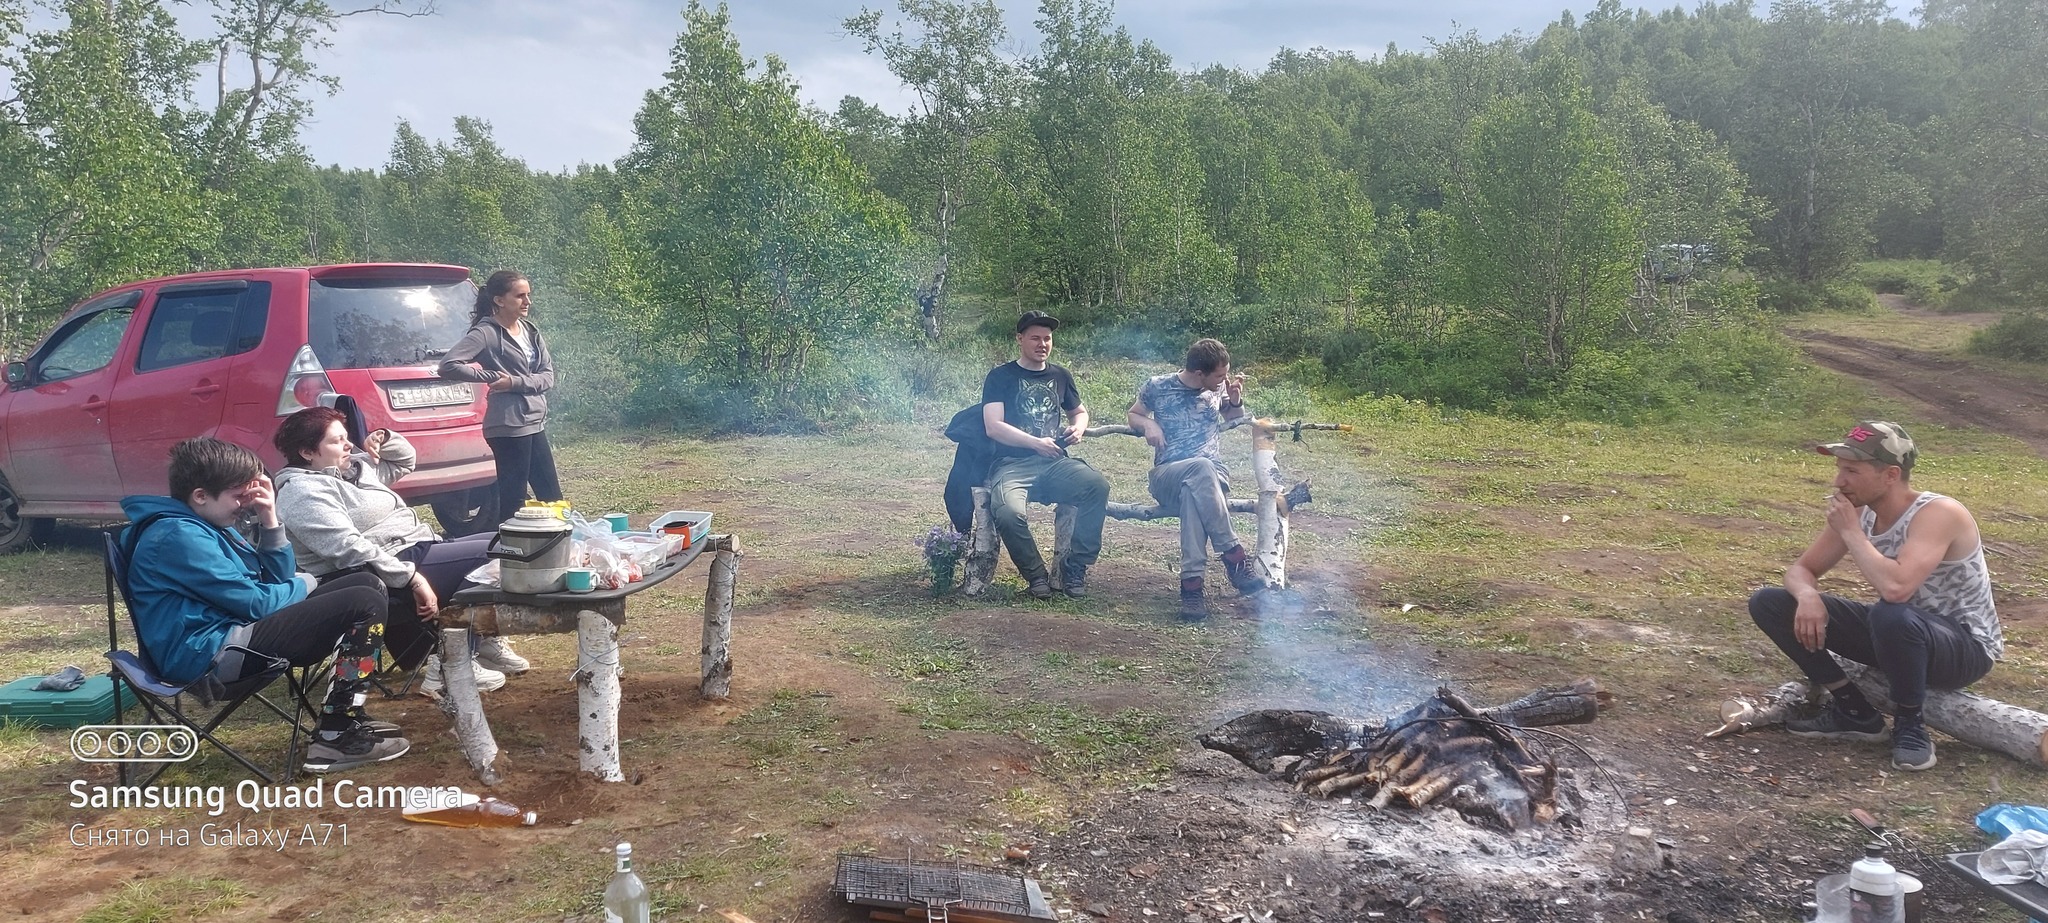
[[559, 81]]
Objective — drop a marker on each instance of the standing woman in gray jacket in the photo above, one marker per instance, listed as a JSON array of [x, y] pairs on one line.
[[505, 351]]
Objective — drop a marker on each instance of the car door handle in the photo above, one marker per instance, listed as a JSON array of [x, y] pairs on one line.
[[205, 390], [95, 404]]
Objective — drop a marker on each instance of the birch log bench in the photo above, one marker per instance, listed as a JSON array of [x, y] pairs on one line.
[[596, 618], [1271, 507]]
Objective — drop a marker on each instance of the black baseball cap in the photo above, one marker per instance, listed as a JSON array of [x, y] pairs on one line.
[[1037, 319]]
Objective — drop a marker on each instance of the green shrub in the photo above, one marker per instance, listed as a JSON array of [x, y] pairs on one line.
[[2021, 336], [1785, 296]]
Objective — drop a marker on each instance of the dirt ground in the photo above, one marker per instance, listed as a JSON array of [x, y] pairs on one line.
[[744, 795]]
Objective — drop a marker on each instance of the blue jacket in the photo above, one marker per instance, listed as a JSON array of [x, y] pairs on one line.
[[192, 581]]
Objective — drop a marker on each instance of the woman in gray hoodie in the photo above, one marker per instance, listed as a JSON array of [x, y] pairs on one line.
[[342, 517], [505, 352]]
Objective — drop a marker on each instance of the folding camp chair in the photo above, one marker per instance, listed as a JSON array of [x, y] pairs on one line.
[[403, 657], [164, 701]]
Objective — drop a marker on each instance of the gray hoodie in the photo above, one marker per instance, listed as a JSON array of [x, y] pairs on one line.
[[521, 410], [338, 521]]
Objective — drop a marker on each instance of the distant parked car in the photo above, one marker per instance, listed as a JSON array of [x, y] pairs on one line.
[[91, 414], [1679, 262]]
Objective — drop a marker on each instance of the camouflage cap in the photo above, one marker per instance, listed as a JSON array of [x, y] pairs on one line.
[[1875, 441]]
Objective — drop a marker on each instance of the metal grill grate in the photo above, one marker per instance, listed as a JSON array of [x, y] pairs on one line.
[[917, 883]]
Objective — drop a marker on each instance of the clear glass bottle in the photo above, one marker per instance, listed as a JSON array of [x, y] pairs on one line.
[[626, 899]]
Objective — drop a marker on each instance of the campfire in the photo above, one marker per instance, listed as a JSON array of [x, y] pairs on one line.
[[1483, 763]]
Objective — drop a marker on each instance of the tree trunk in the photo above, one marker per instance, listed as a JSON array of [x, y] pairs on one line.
[[980, 567], [2017, 732], [463, 705], [1063, 517], [717, 649], [597, 696], [1272, 540]]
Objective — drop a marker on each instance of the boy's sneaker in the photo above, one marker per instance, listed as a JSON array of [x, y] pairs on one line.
[[1834, 725], [361, 720], [353, 748], [1040, 587], [487, 679], [496, 653], [1912, 750]]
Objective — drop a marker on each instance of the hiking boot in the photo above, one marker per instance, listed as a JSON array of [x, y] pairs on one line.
[[353, 748], [1238, 567], [1911, 748], [1040, 586], [487, 679], [1834, 725], [1193, 608], [497, 654], [361, 720], [1074, 577]]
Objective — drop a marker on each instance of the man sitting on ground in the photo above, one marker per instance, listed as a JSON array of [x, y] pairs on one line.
[[203, 593], [1933, 624], [1181, 415], [1021, 402]]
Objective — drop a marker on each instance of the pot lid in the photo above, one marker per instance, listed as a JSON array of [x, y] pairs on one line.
[[534, 520]]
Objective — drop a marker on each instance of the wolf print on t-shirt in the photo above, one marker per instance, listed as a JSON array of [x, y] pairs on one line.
[[1038, 405]]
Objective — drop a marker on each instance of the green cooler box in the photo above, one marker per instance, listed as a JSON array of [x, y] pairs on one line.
[[92, 703]]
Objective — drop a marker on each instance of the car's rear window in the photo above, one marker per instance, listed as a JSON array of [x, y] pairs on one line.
[[365, 324]]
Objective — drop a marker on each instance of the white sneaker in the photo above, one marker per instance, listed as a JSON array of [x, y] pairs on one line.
[[497, 653], [487, 679]]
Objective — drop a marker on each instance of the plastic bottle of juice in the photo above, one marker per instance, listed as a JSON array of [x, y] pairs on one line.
[[626, 899], [471, 811]]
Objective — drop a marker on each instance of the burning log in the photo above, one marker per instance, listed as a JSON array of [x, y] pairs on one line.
[[1441, 751]]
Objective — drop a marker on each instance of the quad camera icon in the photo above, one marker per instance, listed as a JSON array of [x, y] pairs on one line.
[[134, 743]]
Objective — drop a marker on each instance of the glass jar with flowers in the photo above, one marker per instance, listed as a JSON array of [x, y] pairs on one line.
[[943, 548]]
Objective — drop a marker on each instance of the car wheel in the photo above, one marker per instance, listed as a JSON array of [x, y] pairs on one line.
[[17, 531], [466, 512]]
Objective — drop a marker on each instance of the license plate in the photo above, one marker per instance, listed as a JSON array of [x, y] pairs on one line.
[[435, 394]]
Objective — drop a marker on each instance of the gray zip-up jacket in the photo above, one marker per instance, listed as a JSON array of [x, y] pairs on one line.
[[522, 410], [337, 521]]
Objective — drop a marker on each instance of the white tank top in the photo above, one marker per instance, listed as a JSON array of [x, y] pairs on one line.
[[1957, 590]]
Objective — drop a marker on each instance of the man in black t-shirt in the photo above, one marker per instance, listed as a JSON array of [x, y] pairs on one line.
[[1021, 403]]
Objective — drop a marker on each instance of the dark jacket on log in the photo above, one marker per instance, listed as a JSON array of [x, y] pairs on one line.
[[970, 466]]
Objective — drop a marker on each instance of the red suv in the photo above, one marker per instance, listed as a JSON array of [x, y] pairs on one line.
[[89, 417]]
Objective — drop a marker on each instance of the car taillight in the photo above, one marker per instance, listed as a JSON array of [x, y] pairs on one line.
[[304, 382]]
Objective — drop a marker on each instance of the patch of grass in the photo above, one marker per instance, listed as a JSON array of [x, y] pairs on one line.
[[1079, 743], [782, 732], [1917, 333], [168, 899]]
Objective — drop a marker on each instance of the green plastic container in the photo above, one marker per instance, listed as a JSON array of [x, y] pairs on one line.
[[92, 703]]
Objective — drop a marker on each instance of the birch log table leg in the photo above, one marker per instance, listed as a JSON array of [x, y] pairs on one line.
[[717, 650], [463, 705], [597, 695]]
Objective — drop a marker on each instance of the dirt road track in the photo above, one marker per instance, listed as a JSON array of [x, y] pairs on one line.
[[1954, 392]]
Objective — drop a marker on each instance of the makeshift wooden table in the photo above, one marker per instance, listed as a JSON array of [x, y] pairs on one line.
[[596, 617], [2026, 896]]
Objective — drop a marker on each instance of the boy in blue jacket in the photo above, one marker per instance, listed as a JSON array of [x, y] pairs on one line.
[[203, 593]]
